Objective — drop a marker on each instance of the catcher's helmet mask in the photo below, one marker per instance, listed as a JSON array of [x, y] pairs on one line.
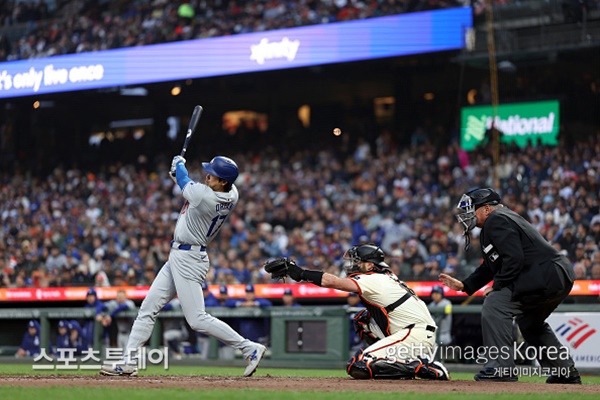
[[367, 253], [471, 201]]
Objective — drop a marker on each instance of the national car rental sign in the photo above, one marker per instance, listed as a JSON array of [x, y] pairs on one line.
[[519, 123]]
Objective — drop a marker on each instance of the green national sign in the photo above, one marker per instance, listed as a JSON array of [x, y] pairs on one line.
[[520, 123]]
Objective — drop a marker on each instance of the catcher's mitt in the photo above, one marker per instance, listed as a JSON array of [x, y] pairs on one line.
[[279, 268]]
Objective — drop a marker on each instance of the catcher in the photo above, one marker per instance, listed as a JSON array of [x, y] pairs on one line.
[[396, 324]]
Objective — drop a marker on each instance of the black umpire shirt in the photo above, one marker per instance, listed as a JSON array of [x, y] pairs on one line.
[[516, 255]]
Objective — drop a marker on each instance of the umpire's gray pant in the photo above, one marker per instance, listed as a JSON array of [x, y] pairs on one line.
[[497, 326]]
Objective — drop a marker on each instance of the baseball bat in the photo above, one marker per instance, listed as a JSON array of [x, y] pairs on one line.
[[468, 300], [191, 128]]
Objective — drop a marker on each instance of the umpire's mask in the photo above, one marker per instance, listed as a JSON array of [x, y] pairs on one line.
[[466, 216], [467, 205]]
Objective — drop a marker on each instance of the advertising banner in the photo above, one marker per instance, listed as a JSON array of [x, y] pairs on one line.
[[580, 332], [519, 123], [395, 35], [300, 290]]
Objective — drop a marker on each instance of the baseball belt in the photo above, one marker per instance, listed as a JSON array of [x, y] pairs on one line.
[[429, 328], [183, 246]]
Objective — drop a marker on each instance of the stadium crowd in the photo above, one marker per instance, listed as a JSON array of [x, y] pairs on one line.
[[113, 227], [76, 26], [43, 28], [81, 228]]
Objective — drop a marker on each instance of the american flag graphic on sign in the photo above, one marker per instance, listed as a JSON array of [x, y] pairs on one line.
[[575, 331]]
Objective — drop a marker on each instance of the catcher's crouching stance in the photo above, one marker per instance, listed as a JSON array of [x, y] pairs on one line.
[[396, 324]]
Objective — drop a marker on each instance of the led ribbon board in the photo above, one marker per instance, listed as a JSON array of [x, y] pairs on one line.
[[389, 36]]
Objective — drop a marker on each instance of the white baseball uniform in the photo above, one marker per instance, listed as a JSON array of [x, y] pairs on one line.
[[201, 218], [399, 318]]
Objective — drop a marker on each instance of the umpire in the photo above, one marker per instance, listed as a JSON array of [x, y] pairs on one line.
[[530, 279]]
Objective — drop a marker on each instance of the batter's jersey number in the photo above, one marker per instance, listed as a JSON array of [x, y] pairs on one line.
[[212, 231]]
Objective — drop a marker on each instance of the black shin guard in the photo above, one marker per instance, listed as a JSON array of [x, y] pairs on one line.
[[367, 367], [383, 369]]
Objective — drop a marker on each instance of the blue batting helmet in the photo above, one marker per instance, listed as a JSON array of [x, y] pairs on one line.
[[222, 167]]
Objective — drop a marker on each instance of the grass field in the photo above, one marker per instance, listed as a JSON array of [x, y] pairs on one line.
[[25, 392]]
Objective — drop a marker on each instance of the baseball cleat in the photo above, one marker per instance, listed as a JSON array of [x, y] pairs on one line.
[[433, 370], [254, 359], [443, 374], [118, 370]]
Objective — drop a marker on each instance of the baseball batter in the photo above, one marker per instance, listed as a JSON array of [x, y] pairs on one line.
[[206, 208], [396, 324]]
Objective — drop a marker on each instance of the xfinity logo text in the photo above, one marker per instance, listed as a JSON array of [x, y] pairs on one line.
[[286, 48]]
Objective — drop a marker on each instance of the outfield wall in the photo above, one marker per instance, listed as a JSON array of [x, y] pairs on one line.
[[315, 335]]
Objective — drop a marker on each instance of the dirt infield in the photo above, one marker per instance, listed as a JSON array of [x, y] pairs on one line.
[[290, 384]]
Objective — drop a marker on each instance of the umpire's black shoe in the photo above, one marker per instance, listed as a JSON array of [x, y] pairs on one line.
[[573, 378], [492, 375]]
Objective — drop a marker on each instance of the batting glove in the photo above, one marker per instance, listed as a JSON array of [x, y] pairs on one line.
[[176, 160]]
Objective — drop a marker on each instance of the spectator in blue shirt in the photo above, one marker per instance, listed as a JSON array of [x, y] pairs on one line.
[[255, 329], [76, 340], [288, 299], [360, 232], [224, 300], [30, 346], [99, 308], [209, 299], [250, 299], [116, 307], [62, 340], [225, 352]]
